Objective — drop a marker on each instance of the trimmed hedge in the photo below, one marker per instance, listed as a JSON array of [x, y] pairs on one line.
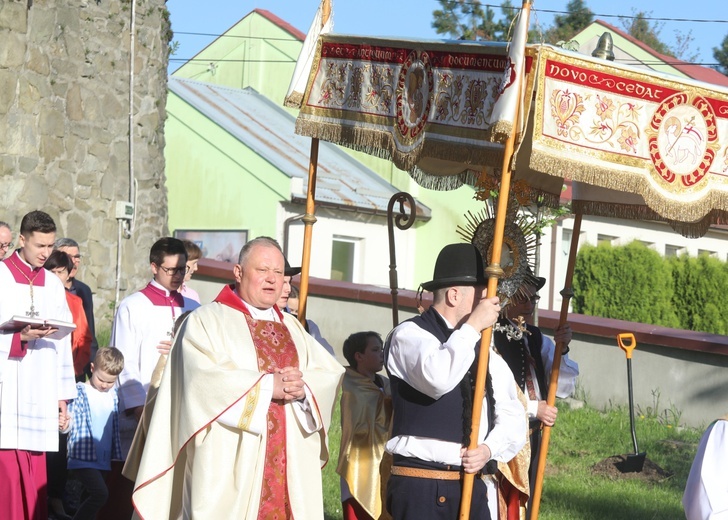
[[636, 283]]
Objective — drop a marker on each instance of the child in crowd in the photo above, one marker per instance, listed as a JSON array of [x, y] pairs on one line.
[[366, 416], [61, 264], [94, 438], [194, 253]]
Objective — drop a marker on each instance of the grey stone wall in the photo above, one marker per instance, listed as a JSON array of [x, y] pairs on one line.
[[64, 128]]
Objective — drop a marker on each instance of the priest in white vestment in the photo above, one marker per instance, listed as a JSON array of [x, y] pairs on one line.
[[239, 428], [706, 492], [36, 371]]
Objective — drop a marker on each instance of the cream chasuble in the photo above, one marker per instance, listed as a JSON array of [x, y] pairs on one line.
[[204, 455]]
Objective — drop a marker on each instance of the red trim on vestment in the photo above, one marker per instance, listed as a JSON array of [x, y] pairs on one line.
[[22, 272], [229, 297], [160, 298], [18, 347]]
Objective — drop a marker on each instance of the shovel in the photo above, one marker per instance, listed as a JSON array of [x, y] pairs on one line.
[[634, 462]]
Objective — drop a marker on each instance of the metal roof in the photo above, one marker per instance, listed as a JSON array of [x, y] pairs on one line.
[[267, 129]]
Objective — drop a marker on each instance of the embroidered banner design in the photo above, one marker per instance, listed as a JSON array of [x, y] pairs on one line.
[[427, 106], [634, 131]]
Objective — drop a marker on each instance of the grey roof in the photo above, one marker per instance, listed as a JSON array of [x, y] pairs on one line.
[[268, 129]]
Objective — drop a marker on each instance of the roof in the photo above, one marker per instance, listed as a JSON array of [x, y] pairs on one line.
[[267, 129], [696, 72], [280, 22]]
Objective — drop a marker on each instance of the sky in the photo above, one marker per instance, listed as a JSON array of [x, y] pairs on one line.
[[413, 19]]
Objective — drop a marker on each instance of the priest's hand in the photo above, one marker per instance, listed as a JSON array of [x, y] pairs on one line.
[[29, 334], [474, 460], [288, 384]]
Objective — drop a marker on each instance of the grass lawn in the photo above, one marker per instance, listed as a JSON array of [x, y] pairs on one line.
[[580, 439]]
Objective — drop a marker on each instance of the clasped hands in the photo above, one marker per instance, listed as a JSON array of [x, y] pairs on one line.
[[288, 384]]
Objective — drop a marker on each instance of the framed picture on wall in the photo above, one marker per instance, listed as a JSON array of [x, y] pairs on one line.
[[222, 245]]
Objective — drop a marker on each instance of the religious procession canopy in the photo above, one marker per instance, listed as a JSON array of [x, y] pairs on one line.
[[435, 109]]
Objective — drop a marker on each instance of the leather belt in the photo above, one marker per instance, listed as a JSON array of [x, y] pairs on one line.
[[434, 474]]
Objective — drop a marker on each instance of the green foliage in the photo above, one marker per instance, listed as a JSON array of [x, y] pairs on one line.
[[566, 26], [721, 56], [581, 438], [699, 293], [468, 20], [629, 282], [640, 28]]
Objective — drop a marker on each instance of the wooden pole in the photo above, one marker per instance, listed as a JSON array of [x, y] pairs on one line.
[[309, 219], [566, 296], [494, 272]]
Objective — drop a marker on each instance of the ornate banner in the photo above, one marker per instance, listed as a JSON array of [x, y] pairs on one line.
[[427, 106], [660, 138]]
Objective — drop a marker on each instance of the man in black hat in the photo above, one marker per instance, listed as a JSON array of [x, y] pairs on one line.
[[529, 354], [431, 362]]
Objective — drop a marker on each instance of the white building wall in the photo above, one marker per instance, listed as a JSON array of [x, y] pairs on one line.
[[368, 232]]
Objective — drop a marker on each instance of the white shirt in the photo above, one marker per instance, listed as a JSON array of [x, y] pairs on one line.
[[419, 359]]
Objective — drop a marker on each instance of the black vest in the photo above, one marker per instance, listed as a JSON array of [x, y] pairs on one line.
[[447, 418], [514, 354]]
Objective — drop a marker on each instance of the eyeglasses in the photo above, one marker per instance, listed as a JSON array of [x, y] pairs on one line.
[[174, 271], [6, 245]]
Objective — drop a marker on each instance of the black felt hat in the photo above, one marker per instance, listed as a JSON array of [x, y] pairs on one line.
[[457, 264], [290, 271]]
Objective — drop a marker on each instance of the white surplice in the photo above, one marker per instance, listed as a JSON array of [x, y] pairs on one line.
[[31, 386]]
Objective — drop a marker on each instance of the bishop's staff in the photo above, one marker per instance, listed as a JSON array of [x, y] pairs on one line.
[[322, 23], [508, 105]]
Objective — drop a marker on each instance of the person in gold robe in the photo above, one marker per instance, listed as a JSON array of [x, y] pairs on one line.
[[366, 417], [239, 428]]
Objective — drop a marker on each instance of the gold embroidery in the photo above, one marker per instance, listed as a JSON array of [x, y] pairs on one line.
[[251, 402]]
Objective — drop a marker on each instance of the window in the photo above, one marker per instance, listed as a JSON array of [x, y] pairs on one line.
[[605, 238], [711, 254], [343, 258], [674, 250]]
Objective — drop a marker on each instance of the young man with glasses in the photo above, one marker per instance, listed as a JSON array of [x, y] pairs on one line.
[[6, 239], [529, 354], [143, 330]]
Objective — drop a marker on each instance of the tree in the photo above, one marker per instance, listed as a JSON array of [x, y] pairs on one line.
[[566, 26], [639, 27], [721, 56], [468, 20]]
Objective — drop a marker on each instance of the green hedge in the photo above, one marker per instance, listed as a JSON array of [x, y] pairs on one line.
[[636, 283]]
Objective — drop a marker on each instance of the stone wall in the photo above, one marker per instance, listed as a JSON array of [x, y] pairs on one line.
[[64, 128]]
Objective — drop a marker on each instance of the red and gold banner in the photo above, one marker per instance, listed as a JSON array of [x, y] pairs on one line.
[[427, 106], [662, 138]]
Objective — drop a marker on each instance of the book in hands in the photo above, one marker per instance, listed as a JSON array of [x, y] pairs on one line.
[[18, 323]]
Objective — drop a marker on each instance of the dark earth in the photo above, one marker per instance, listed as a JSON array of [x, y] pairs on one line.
[[614, 468]]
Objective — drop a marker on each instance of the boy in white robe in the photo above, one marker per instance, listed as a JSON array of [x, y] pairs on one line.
[[31, 413], [143, 330]]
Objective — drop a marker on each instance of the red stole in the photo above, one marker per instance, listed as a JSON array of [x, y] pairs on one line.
[[275, 349]]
